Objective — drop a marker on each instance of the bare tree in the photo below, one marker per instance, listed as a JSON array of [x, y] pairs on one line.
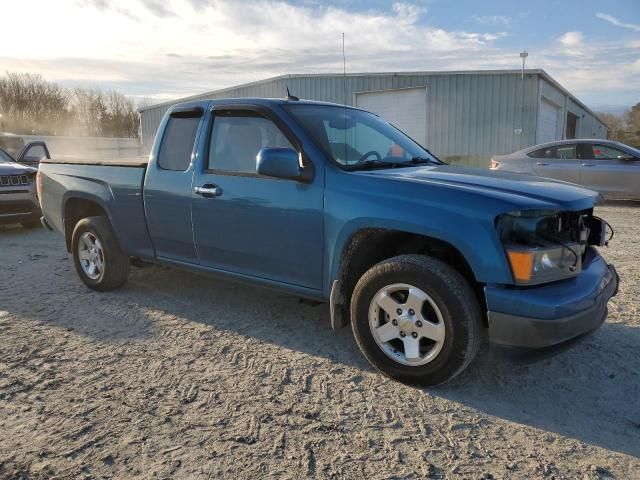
[[625, 128], [31, 105], [633, 123]]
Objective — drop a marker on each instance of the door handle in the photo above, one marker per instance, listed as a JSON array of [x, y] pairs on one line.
[[208, 191], [587, 164], [542, 164]]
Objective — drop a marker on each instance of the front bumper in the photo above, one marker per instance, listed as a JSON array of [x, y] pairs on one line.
[[16, 212], [18, 204], [552, 314]]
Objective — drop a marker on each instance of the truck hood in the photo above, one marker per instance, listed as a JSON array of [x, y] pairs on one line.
[[523, 190], [12, 168]]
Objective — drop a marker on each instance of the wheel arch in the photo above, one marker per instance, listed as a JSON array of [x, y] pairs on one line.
[[77, 206], [366, 247]]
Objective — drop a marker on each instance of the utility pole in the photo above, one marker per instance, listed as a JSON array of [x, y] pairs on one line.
[[523, 56]]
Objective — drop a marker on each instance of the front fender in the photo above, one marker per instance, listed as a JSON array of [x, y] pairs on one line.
[[477, 244], [462, 218]]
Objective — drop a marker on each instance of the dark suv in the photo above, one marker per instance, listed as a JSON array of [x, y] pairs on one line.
[[18, 198]]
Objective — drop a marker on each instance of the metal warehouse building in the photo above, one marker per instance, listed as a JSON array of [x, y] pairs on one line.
[[462, 117]]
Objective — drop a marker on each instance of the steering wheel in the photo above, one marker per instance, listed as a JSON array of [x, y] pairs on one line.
[[368, 154]]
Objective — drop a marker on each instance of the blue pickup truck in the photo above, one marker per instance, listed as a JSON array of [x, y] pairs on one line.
[[333, 204]]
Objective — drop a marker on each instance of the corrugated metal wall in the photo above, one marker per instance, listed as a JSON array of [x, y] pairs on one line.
[[589, 126], [471, 115]]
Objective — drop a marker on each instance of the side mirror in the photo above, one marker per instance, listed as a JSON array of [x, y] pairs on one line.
[[279, 163], [626, 158]]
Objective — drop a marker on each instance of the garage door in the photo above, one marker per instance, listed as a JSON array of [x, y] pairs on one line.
[[405, 108], [547, 122]]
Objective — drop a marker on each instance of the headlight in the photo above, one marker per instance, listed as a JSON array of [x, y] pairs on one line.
[[541, 246], [541, 265]]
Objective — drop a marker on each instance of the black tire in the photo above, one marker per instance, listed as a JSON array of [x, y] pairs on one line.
[[454, 298], [116, 264], [29, 224]]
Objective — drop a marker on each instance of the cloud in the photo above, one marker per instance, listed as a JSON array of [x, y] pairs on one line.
[[492, 20], [572, 39], [571, 44], [157, 7], [191, 46], [613, 20], [588, 73]]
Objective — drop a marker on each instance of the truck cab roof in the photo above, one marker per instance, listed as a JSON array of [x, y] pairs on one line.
[[267, 102]]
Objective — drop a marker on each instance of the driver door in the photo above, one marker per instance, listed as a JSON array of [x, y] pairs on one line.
[[33, 153], [254, 225]]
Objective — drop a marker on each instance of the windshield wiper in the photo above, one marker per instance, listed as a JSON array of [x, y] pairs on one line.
[[419, 160], [374, 163]]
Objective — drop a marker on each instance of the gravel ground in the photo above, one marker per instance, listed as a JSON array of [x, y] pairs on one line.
[[182, 376]]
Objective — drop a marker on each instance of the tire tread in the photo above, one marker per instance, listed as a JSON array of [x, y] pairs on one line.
[[457, 286], [117, 264]]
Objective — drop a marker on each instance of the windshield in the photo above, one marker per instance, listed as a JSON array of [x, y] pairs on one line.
[[5, 157], [358, 139]]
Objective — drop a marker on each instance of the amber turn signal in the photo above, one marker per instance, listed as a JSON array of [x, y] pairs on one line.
[[521, 265]]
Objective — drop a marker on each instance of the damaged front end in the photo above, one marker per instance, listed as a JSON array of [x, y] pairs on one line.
[[562, 284], [545, 246]]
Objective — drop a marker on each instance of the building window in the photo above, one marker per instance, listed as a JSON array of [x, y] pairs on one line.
[[572, 125]]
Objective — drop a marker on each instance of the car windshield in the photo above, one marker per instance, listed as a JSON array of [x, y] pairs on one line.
[[5, 157], [356, 139]]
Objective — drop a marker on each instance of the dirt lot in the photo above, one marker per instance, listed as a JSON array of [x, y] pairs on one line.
[[178, 375]]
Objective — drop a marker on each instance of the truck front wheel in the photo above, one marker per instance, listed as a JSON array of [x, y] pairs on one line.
[[98, 259], [416, 319]]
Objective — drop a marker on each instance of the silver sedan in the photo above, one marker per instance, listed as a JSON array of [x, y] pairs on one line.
[[611, 168]]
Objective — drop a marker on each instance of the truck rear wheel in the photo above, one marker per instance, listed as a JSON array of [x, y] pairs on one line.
[[98, 259], [416, 319]]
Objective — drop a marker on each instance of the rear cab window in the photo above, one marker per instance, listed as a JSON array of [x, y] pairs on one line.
[[178, 141]]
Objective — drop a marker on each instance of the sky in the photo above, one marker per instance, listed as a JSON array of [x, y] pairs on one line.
[[163, 49]]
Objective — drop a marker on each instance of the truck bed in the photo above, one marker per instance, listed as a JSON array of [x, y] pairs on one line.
[[115, 186]]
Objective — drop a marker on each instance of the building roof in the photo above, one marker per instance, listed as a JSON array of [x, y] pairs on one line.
[[532, 71]]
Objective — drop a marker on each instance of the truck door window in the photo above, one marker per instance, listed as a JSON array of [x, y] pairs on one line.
[[237, 138], [177, 143]]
